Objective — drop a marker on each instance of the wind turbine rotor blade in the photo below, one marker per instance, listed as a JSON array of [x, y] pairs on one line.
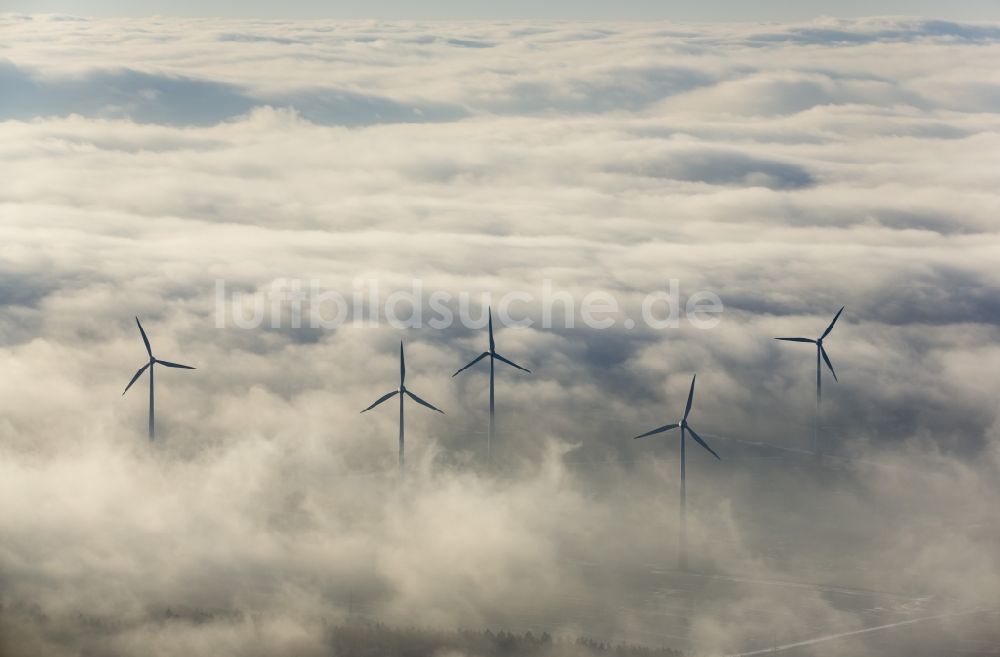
[[830, 327], [145, 340], [510, 362], [703, 443], [492, 344], [134, 378], [388, 395], [797, 340], [666, 427], [167, 363], [687, 409], [473, 362], [826, 358], [423, 403], [402, 364]]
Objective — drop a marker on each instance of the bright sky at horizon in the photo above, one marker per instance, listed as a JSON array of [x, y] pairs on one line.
[[680, 10]]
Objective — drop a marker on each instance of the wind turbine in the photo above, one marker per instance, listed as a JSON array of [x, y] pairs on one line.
[[402, 391], [820, 353], [152, 361], [494, 356], [685, 429]]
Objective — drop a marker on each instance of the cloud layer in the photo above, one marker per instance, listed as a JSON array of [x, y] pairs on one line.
[[790, 169]]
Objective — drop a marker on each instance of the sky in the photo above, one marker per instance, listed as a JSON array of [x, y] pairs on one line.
[[789, 169], [706, 10]]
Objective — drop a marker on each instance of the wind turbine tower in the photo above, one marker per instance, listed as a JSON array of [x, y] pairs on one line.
[[152, 361], [493, 356], [403, 392], [685, 428], [820, 354]]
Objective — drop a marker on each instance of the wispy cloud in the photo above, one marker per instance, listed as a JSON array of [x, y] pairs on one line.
[[791, 169]]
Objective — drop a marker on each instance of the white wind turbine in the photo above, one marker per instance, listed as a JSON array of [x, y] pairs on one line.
[[820, 353], [152, 361], [685, 429], [403, 392], [493, 356]]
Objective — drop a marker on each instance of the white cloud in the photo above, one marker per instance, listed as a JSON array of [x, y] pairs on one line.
[[791, 170]]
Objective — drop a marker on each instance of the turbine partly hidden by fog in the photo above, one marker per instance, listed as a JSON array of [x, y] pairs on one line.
[[150, 366], [206, 174], [820, 352], [682, 561], [402, 391], [493, 356]]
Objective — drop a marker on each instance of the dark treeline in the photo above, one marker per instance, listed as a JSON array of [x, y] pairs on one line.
[[377, 640]]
